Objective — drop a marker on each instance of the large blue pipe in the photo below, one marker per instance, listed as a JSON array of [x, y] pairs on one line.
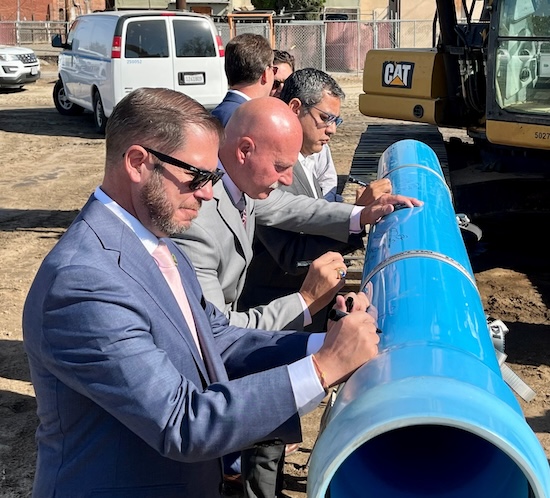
[[430, 416]]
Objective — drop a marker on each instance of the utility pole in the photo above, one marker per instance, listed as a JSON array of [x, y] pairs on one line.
[[67, 11], [181, 4], [17, 35]]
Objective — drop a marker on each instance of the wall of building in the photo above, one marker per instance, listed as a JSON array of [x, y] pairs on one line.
[[373, 9], [46, 10], [382, 9], [422, 9]]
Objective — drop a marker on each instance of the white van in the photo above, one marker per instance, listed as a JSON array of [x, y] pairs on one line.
[[109, 54]]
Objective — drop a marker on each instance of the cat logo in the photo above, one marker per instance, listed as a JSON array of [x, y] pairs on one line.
[[397, 74]]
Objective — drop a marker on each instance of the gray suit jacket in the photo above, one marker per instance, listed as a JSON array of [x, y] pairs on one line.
[[273, 271], [126, 404], [220, 248]]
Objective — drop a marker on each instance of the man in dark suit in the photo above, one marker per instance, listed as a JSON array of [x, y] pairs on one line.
[[129, 362], [250, 72]]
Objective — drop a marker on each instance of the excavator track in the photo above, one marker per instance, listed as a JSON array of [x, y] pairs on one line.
[[377, 138]]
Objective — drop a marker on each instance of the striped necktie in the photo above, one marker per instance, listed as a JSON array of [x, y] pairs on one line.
[[241, 206]]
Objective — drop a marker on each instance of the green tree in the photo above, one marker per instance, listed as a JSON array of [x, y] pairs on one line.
[[289, 5], [265, 4]]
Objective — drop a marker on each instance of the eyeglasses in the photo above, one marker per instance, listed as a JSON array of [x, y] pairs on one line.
[[200, 176], [277, 84], [274, 69], [329, 118]]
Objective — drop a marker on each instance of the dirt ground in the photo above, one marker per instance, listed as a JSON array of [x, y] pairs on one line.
[[51, 164]]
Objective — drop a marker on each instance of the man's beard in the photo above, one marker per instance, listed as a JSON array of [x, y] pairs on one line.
[[161, 212]]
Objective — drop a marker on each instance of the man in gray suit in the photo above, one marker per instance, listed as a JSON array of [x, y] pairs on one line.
[[263, 139], [129, 361]]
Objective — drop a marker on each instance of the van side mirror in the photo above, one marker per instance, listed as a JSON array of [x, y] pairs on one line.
[[57, 42]]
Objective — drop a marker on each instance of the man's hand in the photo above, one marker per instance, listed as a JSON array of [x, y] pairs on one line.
[[385, 205], [350, 342], [324, 279], [373, 191]]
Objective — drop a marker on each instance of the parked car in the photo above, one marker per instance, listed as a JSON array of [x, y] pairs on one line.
[[18, 66], [109, 54]]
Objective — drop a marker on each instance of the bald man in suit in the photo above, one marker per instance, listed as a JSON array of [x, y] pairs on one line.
[[263, 139]]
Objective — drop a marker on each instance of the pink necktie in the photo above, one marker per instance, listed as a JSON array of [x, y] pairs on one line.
[[167, 266]]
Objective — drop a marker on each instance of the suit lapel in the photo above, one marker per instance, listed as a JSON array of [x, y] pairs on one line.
[[232, 219], [141, 267], [250, 221], [318, 188], [145, 271]]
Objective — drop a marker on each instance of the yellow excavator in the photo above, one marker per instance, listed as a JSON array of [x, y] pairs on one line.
[[490, 76]]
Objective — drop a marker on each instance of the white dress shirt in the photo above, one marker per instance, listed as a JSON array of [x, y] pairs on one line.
[[324, 170], [308, 165]]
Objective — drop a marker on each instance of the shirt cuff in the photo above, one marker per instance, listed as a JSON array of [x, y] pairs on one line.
[[307, 389], [305, 309], [355, 219], [314, 342]]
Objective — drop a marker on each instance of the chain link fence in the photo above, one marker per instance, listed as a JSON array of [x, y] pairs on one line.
[[339, 46], [30, 32], [332, 46]]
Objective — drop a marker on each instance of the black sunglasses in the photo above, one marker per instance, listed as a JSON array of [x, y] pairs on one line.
[[200, 176], [277, 84]]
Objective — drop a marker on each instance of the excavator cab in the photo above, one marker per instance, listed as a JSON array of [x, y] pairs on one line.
[[518, 112]]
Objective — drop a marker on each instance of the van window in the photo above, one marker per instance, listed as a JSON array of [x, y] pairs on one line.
[[103, 37], [146, 39], [84, 39], [72, 31], [193, 38]]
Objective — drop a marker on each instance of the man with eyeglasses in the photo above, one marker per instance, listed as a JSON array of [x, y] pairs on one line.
[[250, 72], [322, 165], [129, 361], [314, 90]]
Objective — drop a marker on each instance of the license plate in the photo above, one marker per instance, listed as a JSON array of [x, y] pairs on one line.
[[34, 70], [191, 78]]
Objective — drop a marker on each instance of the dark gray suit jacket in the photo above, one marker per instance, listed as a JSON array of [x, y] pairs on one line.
[[273, 271], [127, 406]]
